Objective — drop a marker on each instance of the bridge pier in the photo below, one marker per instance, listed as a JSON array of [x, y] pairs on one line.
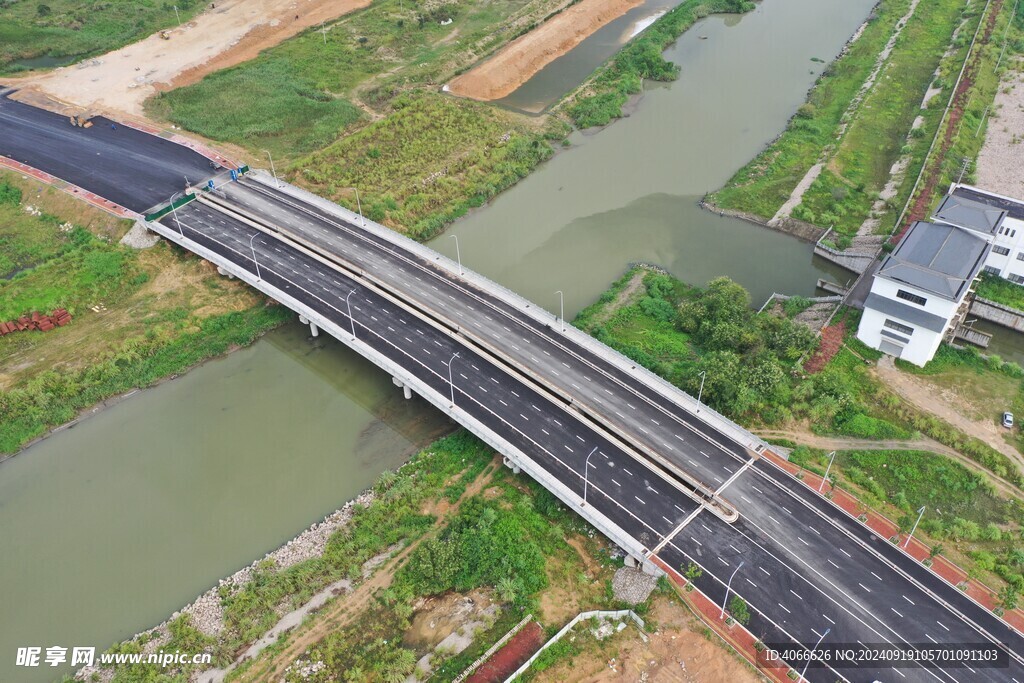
[[225, 273], [509, 463], [406, 389], [314, 331]]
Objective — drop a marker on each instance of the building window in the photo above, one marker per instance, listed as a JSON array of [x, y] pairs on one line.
[[1002, 251], [893, 325], [992, 270], [1013, 277], [1012, 233], [1020, 256], [913, 298]]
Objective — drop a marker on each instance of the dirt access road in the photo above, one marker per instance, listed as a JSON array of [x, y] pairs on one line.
[[927, 398], [514, 64], [230, 32]]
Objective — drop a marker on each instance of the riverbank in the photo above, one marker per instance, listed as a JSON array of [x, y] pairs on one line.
[[518, 61]]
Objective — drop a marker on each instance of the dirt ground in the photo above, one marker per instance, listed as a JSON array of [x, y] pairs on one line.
[[999, 168], [232, 32], [569, 591], [946, 406], [677, 652], [514, 64]]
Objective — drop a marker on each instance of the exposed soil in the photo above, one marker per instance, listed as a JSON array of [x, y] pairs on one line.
[[439, 616], [514, 64], [831, 341], [926, 397], [232, 32], [569, 593], [999, 168], [510, 657], [676, 653], [344, 611]]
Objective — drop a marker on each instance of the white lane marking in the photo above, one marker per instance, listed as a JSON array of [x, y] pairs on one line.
[[502, 403], [825, 617], [795, 593], [545, 431], [750, 582], [723, 561], [930, 638], [876, 576], [942, 625], [627, 471], [514, 393], [832, 563], [774, 520], [757, 489], [803, 541], [864, 587], [696, 541], [569, 449], [765, 571], [524, 417], [581, 438], [640, 499], [813, 529], [897, 613], [846, 553], [495, 381], [463, 376], [784, 607], [616, 483], [679, 508], [666, 519]]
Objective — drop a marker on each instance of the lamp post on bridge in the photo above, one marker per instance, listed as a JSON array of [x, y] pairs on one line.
[[561, 307], [700, 394], [272, 170], [350, 318], [728, 587], [458, 253], [586, 474], [174, 212], [252, 246], [451, 377]]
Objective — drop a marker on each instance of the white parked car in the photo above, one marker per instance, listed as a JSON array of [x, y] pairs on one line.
[[1008, 419]]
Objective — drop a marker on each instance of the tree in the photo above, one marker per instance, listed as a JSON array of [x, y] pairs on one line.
[[1008, 598], [43, 10], [507, 588], [935, 551], [693, 572], [738, 609]]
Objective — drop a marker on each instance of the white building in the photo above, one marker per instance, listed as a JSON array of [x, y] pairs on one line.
[[919, 294]]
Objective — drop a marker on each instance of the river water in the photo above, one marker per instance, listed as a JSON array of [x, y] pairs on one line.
[[108, 527]]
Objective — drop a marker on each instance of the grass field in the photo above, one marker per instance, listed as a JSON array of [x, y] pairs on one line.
[[843, 195], [426, 163], [1001, 291], [298, 96], [65, 29]]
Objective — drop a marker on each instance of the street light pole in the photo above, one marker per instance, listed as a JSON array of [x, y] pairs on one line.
[[808, 662], [728, 587], [177, 18], [272, 170], [359, 206], [920, 514], [253, 247], [827, 469], [700, 394], [561, 307], [458, 253], [451, 378], [350, 318], [586, 474], [175, 212]]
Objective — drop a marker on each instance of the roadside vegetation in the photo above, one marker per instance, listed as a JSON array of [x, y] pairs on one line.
[[752, 361], [138, 316], [600, 100], [426, 164], [844, 193], [766, 182], [1001, 290], [72, 29]]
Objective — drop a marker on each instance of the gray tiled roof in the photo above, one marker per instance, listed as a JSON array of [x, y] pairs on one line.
[[936, 258], [906, 313], [1013, 207], [956, 209]]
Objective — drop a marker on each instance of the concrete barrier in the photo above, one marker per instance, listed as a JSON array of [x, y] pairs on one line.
[[998, 313]]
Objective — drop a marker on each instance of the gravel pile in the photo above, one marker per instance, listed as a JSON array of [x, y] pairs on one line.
[[632, 585]]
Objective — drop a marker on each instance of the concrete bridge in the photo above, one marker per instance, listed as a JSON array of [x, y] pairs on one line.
[[672, 482]]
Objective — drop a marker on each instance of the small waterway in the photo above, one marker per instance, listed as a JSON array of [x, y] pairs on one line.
[[110, 526], [630, 192]]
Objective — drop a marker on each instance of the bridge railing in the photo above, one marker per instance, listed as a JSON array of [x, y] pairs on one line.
[[669, 391]]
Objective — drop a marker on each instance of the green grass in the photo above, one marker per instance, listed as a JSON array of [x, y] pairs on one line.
[[842, 196], [426, 164], [174, 343], [1001, 291], [26, 240], [297, 97], [604, 95], [79, 28], [764, 184], [268, 102]]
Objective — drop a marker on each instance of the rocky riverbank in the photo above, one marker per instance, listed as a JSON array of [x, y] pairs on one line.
[[206, 614]]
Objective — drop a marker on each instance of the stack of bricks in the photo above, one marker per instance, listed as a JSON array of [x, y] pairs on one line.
[[36, 321]]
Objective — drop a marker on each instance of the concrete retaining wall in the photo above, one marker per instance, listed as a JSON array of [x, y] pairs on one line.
[[998, 313]]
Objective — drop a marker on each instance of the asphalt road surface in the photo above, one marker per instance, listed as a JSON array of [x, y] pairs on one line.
[[805, 567], [126, 166]]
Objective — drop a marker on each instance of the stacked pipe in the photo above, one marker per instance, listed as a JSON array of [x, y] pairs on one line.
[[36, 321]]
